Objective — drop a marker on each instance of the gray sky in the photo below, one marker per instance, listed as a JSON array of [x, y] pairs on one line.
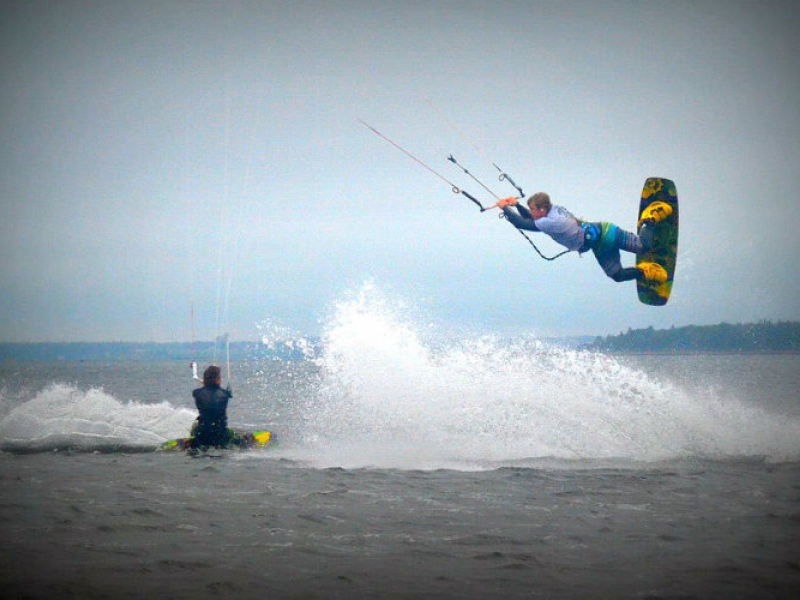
[[156, 155]]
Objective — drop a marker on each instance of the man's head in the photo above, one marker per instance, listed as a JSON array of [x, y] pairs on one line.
[[539, 205]]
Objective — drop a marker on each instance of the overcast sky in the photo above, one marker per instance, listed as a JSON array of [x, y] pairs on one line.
[[159, 155]]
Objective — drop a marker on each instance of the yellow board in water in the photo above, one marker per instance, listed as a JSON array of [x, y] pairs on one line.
[[241, 441], [664, 248], [262, 438]]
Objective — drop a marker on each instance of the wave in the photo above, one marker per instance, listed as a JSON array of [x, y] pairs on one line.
[[63, 417]]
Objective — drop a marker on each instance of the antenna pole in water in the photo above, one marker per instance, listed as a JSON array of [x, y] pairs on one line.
[[193, 364], [228, 355]]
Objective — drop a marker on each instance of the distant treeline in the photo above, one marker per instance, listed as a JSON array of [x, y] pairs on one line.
[[151, 351], [764, 336]]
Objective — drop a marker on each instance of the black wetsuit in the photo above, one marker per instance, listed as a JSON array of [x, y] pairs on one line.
[[212, 424]]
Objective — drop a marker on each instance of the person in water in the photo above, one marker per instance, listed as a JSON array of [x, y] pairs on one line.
[[211, 427], [604, 239]]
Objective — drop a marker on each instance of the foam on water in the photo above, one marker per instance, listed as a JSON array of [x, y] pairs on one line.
[[388, 399], [62, 416]]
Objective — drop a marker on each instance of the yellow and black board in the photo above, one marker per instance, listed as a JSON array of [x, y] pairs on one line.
[[664, 247], [240, 441]]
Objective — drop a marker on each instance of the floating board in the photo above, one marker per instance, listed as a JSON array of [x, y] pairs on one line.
[[664, 248], [242, 440]]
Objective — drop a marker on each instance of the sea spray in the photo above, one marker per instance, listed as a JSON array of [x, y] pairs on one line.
[[63, 416], [387, 398]]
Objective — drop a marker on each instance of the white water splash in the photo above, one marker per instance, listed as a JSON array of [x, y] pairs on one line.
[[387, 399], [277, 337], [62, 416]]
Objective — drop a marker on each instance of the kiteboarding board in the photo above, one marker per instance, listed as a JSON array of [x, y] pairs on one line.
[[664, 247], [242, 440]]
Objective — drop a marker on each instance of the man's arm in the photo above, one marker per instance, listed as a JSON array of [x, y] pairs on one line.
[[521, 218]]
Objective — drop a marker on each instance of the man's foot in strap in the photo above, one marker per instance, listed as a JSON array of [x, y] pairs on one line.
[[652, 272], [655, 213]]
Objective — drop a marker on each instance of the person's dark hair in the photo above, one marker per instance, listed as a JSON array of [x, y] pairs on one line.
[[211, 374]]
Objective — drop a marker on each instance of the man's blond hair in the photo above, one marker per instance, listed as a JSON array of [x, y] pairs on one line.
[[540, 200]]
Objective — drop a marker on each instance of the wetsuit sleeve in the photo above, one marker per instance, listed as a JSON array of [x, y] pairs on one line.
[[195, 395], [521, 218]]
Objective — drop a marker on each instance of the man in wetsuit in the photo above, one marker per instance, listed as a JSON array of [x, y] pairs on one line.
[[211, 428], [604, 239]]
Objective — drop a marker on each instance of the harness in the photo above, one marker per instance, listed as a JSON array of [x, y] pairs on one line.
[[598, 237]]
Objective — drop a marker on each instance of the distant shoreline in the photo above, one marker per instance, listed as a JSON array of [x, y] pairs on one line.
[[11, 360], [764, 337], [143, 351]]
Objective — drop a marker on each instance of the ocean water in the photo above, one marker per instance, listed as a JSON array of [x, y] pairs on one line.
[[409, 464]]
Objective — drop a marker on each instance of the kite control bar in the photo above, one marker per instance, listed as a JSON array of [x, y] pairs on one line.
[[457, 190]]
